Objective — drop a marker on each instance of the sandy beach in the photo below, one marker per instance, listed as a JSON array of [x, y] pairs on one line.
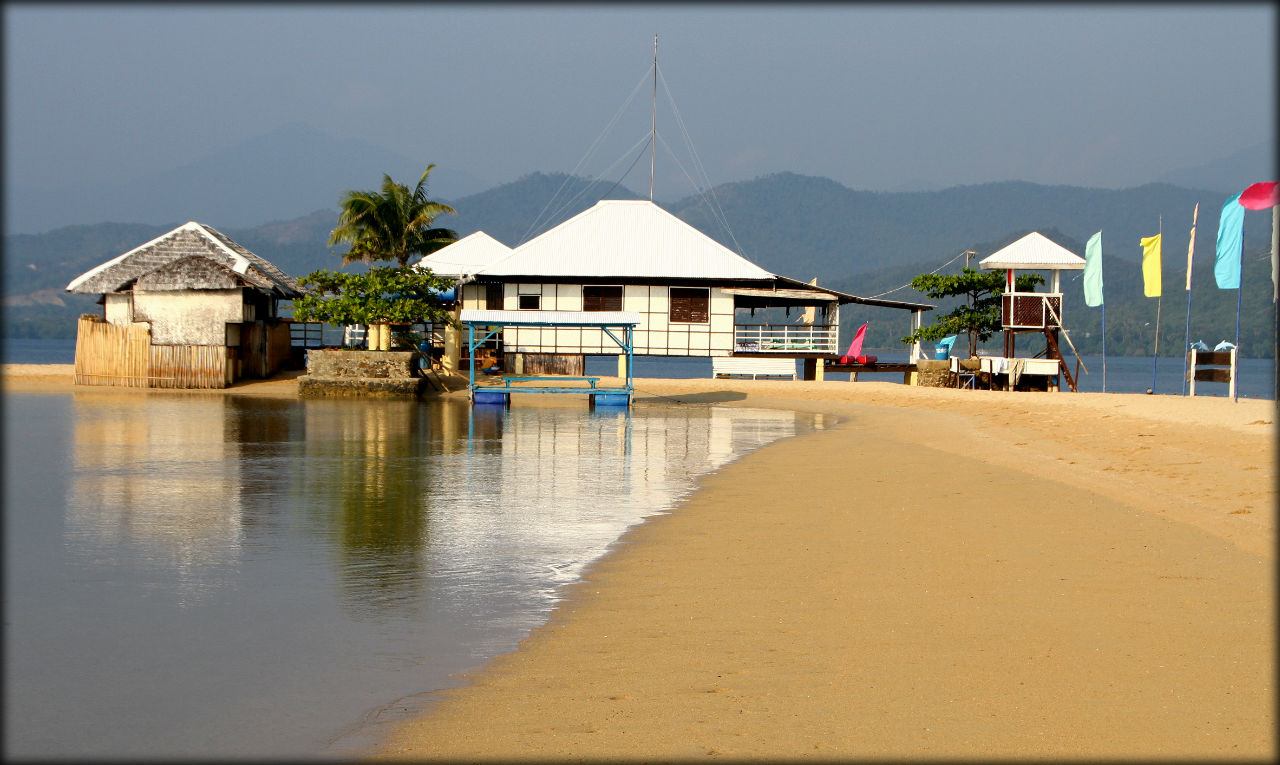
[[942, 573]]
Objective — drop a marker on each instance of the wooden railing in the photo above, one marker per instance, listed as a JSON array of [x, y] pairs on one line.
[[1030, 310], [786, 338]]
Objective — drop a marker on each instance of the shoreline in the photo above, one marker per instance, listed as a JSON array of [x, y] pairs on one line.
[[941, 573]]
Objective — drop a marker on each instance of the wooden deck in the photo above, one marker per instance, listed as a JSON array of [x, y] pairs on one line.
[[836, 366]]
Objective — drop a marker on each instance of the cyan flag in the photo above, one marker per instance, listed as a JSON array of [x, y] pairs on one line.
[[1226, 263], [1093, 271]]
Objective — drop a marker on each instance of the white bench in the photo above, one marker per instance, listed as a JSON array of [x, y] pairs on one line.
[[731, 366]]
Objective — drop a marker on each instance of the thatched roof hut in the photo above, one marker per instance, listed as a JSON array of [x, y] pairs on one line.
[[192, 256], [189, 309]]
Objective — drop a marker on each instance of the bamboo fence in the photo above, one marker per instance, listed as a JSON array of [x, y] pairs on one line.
[[107, 354]]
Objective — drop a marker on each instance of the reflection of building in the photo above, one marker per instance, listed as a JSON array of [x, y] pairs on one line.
[[562, 485], [362, 481], [176, 484], [151, 475]]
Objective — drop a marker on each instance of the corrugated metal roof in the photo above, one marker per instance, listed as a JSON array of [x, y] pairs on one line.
[[466, 255], [562, 318], [1035, 252], [189, 240], [625, 239]]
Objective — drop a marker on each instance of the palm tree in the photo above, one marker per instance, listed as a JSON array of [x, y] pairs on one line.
[[394, 224]]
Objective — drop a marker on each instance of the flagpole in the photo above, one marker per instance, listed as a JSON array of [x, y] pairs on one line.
[[1186, 342], [1104, 347], [1275, 293], [1155, 355], [1239, 295]]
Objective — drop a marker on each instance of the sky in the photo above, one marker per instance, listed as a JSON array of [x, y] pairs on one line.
[[876, 97]]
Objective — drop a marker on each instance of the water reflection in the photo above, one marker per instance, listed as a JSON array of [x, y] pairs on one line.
[[364, 485], [324, 555], [396, 492], [158, 483]]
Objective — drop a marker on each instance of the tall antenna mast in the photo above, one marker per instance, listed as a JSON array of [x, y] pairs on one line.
[[653, 131]]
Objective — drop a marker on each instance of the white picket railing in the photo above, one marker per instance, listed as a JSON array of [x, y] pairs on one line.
[[786, 338]]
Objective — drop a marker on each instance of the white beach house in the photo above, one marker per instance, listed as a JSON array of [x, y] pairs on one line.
[[693, 295]]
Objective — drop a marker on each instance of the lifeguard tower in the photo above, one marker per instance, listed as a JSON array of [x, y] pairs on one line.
[[1037, 312]]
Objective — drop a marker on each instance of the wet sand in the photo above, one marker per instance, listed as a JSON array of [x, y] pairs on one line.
[[941, 574]]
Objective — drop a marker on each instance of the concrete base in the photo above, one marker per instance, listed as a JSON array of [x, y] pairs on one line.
[[376, 374], [363, 387]]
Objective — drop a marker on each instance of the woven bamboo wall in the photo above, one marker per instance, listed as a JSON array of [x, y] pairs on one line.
[[190, 366], [107, 354]]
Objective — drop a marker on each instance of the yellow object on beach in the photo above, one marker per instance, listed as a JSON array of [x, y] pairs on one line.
[[1151, 266]]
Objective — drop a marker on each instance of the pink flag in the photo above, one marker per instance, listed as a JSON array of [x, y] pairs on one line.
[[1260, 196]]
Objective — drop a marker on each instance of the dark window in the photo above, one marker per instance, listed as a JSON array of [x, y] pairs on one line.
[[530, 302], [689, 305], [493, 297], [601, 298]]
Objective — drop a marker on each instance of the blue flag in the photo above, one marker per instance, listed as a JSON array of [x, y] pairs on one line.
[[1093, 271], [1226, 263]]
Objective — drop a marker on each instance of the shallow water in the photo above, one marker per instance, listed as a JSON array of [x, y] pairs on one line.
[[193, 575]]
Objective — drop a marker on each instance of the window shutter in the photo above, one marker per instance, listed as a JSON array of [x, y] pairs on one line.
[[690, 305]]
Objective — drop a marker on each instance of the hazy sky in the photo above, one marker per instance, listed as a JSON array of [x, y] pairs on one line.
[[873, 96]]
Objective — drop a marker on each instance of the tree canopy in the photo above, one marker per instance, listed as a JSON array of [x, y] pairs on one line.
[[383, 295], [979, 317], [393, 224]]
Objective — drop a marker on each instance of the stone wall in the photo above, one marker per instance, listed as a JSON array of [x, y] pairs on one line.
[[932, 373], [346, 364], [936, 373], [379, 374]]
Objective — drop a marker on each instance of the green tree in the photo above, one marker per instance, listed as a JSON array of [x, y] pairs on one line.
[[383, 295], [979, 316], [392, 224]]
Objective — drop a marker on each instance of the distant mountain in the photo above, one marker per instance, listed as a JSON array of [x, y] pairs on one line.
[[1229, 175], [860, 242], [802, 226], [282, 174]]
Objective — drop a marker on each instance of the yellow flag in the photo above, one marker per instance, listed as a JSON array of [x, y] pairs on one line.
[[1151, 266]]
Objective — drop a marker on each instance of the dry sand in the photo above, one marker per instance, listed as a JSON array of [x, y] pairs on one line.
[[943, 574]]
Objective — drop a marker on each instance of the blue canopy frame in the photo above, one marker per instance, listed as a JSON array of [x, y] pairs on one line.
[[492, 322]]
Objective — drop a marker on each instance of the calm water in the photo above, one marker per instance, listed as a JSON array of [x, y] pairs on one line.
[[193, 575]]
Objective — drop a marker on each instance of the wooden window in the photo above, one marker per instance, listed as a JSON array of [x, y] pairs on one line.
[[689, 305], [493, 297], [530, 302], [601, 298]]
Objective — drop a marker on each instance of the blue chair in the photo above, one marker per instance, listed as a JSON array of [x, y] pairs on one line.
[[944, 347]]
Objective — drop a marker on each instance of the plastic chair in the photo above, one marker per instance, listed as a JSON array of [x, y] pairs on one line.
[[944, 347], [965, 378]]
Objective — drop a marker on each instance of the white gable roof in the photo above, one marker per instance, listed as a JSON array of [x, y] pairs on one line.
[[1033, 252], [191, 239], [465, 256], [624, 239]]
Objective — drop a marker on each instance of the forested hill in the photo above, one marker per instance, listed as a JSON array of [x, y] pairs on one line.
[[798, 226], [802, 226]]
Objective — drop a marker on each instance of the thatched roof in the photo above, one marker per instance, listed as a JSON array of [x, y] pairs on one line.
[[193, 256]]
